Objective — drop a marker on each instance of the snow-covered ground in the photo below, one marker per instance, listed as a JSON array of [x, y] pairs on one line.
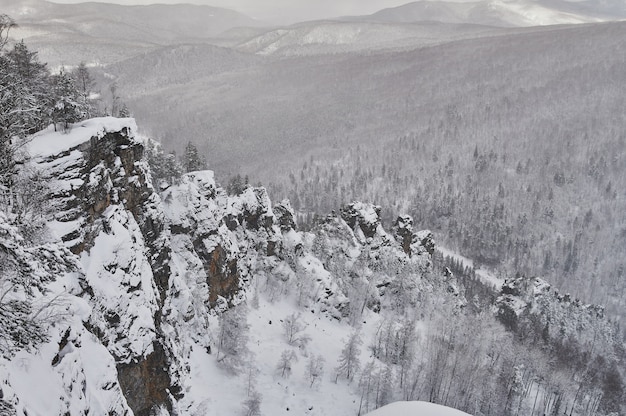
[[416, 409]]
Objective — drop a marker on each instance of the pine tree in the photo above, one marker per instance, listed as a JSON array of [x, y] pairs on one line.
[[124, 111], [192, 161], [165, 168]]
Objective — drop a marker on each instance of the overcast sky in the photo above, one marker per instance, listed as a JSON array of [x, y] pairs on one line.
[[291, 10]]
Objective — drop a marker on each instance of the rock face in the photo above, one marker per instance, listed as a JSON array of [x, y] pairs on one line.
[[117, 228]]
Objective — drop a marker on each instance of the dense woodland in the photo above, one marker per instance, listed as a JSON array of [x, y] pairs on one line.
[[521, 171]]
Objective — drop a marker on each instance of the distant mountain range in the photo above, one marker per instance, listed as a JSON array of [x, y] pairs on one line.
[[152, 23], [104, 33], [502, 13]]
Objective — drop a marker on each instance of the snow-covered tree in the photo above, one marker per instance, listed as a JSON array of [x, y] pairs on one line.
[[124, 111], [192, 160], [294, 328], [164, 167], [349, 362], [67, 107], [24, 102], [252, 405], [232, 338], [85, 85], [315, 369], [283, 367]]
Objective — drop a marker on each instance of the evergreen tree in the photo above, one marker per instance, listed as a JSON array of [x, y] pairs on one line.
[[67, 103], [33, 82], [192, 160], [124, 111], [165, 168]]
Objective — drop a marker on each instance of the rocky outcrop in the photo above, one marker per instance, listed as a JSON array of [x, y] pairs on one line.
[[363, 219], [106, 212], [533, 307], [285, 216]]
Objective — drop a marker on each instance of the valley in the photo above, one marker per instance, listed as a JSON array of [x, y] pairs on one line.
[[416, 210]]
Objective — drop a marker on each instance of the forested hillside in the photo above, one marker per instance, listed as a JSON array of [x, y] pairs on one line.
[[517, 166]]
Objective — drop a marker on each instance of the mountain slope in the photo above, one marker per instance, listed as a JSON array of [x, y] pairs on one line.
[[341, 37]]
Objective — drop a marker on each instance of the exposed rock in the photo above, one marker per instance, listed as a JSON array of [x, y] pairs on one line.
[[403, 231], [146, 383], [285, 216], [223, 276], [363, 217], [117, 225]]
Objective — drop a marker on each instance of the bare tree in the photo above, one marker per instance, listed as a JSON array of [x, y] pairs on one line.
[[315, 369], [349, 362], [6, 24], [252, 405], [294, 329], [284, 364], [232, 339]]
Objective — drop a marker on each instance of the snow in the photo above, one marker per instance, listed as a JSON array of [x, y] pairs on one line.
[[416, 409], [49, 142]]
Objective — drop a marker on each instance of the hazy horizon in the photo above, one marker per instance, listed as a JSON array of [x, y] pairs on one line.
[[279, 10], [282, 11]]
